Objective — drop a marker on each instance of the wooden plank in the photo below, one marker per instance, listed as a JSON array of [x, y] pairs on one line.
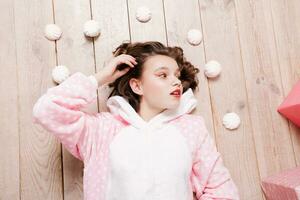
[[287, 36], [153, 29], [228, 94], [263, 82], [114, 30], [76, 52], [9, 134], [40, 160]]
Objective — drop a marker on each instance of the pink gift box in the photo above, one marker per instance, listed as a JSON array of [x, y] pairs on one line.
[[283, 186], [290, 107]]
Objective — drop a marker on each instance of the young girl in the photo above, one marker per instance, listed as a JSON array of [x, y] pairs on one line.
[[148, 146]]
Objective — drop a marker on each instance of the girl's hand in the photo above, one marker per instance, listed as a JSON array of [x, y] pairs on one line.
[[116, 67]]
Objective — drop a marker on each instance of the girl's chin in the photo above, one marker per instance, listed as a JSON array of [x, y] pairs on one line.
[[173, 105]]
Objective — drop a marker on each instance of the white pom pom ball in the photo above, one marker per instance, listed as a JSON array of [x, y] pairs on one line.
[[231, 121], [60, 73], [194, 37], [91, 28], [52, 32], [143, 14], [212, 69]]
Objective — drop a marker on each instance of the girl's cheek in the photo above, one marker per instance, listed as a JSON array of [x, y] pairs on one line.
[[155, 86], [159, 83], [156, 83]]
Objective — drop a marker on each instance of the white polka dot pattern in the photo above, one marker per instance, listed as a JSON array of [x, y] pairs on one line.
[[58, 111], [209, 177]]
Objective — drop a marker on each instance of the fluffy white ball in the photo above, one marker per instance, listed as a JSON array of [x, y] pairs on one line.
[[143, 14], [52, 32], [60, 73], [231, 120], [91, 28], [194, 37], [212, 69]]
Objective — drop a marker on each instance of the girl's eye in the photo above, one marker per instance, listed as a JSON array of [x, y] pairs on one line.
[[164, 75]]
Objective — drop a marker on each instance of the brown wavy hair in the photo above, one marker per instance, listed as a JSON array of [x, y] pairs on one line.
[[141, 51]]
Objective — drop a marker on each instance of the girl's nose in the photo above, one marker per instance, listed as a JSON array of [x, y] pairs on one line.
[[177, 82]]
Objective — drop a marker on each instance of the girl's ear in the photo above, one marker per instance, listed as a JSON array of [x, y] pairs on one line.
[[135, 85]]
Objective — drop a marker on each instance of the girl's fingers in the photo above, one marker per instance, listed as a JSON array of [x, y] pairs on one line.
[[131, 61], [128, 63], [126, 59], [122, 72], [131, 58], [134, 61]]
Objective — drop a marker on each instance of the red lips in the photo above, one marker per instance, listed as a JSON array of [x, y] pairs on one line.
[[176, 92]]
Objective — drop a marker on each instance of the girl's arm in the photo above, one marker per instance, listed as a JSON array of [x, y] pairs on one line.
[[210, 178], [58, 111]]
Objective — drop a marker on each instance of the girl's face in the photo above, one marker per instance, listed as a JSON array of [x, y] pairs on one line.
[[159, 79]]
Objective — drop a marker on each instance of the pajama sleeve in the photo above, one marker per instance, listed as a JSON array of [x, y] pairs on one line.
[[58, 111], [210, 178]]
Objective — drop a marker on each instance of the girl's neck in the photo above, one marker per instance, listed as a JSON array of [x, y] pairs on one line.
[[147, 112]]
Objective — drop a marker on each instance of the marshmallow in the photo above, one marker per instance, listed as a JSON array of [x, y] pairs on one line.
[[143, 14], [212, 69], [91, 28], [194, 37], [52, 32], [231, 120], [60, 73]]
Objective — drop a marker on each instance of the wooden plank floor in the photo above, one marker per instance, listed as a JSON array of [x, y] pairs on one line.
[[256, 42]]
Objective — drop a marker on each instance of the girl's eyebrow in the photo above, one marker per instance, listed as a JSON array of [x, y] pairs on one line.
[[163, 67]]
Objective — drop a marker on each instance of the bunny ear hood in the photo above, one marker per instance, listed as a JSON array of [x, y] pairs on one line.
[[118, 105]]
